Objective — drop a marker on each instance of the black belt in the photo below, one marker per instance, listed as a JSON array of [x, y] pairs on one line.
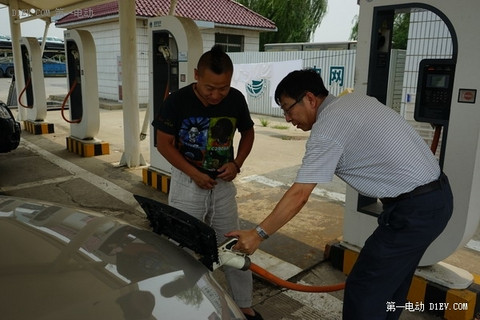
[[429, 187]]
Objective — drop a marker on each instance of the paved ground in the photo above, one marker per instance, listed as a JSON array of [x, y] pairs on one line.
[[42, 168]]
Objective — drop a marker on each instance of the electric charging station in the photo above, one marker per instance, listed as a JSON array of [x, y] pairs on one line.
[[445, 96], [33, 96], [82, 81], [175, 47]]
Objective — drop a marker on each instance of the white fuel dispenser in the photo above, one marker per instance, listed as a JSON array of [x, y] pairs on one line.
[[33, 96], [82, 81], [175, 47], [442, 57]]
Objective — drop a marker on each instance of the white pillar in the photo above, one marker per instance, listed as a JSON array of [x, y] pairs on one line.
[[17, 55], [128, 49], [45, 33]]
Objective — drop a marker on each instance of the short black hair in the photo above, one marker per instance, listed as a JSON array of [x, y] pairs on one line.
[[298, 82], [216, 60]]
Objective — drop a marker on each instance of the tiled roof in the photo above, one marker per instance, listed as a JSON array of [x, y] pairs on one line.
[[226, 12]]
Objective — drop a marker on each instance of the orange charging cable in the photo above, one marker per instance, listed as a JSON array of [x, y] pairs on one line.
[[293, 286]]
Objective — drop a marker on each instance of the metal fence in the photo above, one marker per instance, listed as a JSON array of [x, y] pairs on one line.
[[337, 68]]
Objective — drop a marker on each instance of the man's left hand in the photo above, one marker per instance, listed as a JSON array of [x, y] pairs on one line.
[[228, 171]]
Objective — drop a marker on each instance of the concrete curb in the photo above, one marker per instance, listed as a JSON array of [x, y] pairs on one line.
[[38, 127], [156, 180], [87, 148]]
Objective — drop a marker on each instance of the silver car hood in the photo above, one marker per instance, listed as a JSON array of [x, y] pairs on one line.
[[63, 263]]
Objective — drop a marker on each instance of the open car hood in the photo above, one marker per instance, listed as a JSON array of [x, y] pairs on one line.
[[64, 263]]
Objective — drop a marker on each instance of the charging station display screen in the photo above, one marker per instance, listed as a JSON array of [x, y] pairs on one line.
[[437, 81], [434, 91]]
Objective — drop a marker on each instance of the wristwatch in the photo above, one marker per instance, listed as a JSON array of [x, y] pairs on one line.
[[261, 232]]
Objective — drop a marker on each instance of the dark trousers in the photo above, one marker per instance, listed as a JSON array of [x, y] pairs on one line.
[[385, 267]]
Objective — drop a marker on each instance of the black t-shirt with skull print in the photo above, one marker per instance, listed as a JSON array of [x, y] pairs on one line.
[[203, 134]]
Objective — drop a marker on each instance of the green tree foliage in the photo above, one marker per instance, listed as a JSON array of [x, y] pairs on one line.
[[400, 31], [401, 24], [354, 32], [296, 20]]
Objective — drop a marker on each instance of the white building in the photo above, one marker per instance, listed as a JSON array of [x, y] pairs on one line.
[[224, 22]]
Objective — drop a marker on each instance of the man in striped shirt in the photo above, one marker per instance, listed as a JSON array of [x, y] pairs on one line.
[[375, 151]]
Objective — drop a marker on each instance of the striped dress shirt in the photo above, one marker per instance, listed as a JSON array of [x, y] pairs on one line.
[[367, 145]]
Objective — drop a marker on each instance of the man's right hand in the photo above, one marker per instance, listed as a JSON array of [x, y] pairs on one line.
[[204, 181], [248, 241]]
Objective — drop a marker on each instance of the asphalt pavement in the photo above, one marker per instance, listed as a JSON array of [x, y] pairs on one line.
[[42, 168]]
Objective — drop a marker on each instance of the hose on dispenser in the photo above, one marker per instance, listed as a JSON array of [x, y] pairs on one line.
[[65, 101], [29, 82], [436, 138], [166, 55]]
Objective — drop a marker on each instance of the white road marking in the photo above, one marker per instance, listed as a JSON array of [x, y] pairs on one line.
[[101, 183], [473, 244], [327, 305], [262, 180], [329, 194], [273, 183], [277, 267], [37, 183]]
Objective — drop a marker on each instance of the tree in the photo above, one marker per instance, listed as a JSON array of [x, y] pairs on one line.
[[354, 32], [296, 20], [401, 23]]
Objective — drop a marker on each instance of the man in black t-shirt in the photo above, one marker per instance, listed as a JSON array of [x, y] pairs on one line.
[[195, 127]]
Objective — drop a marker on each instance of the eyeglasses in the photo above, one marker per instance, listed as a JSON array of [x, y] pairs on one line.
[[286, 111]]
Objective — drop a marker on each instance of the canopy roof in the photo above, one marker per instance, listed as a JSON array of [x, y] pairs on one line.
[[223, 12]]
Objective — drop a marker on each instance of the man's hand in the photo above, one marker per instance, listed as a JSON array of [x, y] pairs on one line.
[[248, 240], [203, 180], [228, 171]]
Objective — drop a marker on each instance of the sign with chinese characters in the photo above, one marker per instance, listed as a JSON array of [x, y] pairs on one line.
[[337, 75]]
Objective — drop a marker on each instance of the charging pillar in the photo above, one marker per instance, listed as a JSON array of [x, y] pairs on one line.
[[82, 84], [461, 146], [33, 96], [175, 45]]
